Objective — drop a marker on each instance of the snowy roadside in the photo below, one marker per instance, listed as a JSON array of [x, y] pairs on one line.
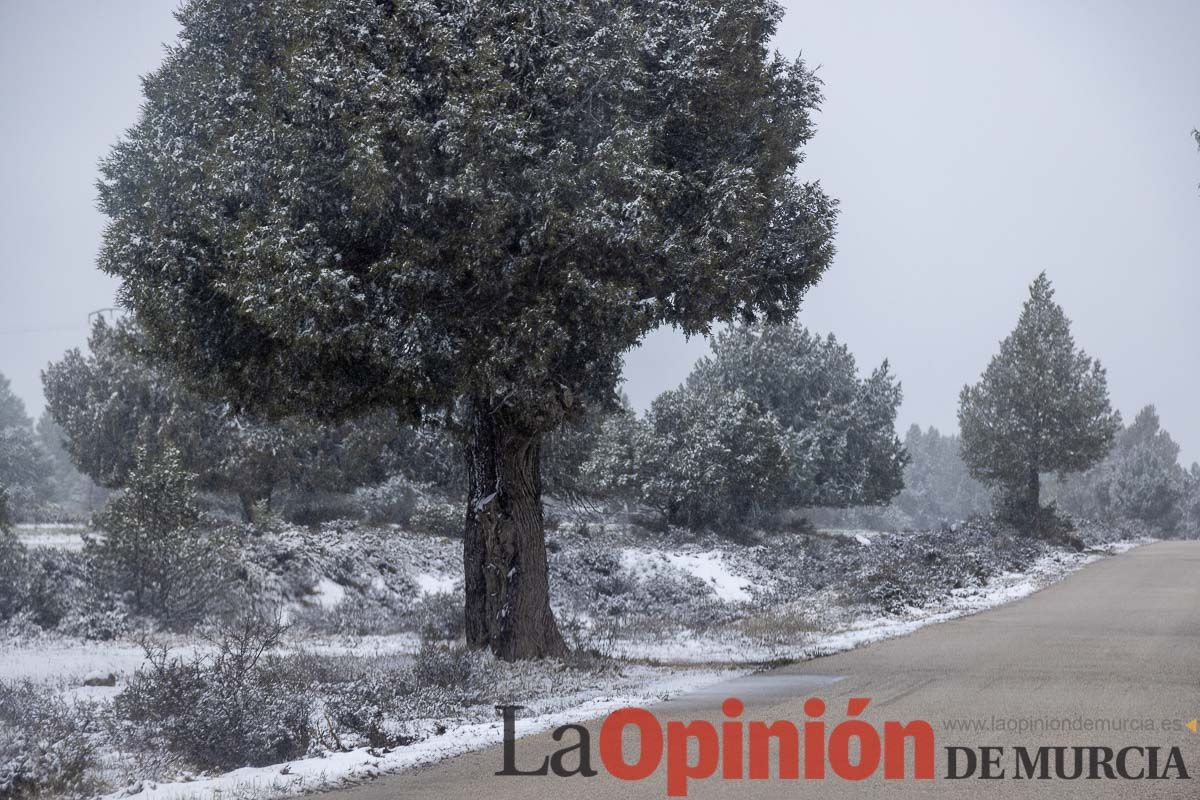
[[842, 633], [634, 685], [640, 686]]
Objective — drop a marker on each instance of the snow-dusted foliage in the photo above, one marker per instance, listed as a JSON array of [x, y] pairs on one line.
[[25, 468], [361, 203], [841, 436], [1140, 479], [1040, 406], [702, 458], [714, 459], [73, 495], [1190, 505], [47, 745], [234, 706], [468, 209], [153, 549], [938, 488], [114, 398]]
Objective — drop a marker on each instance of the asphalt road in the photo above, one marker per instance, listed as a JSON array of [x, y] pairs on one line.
[[1115, 646]]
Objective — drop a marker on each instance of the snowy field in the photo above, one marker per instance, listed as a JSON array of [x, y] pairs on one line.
[[659, 614]]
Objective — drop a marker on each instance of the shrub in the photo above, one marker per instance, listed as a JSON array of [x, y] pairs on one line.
[[153, 549], [42, 585], [356, 615], [45, 744], [233, 707], [14, 574], [704, 457], [449, 667], [441, 616], [438, 518], [392, 502], [371, 706]]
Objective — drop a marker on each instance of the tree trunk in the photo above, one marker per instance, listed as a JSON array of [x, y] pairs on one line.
[[507, 582], [1033, 494]]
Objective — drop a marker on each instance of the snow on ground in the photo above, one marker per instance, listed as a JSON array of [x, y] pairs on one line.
[[51, 659], [437, 582], [711, 566], [328, 593], [863, 536], [65, 663], [691, 647], [65, 536], [648, 686]]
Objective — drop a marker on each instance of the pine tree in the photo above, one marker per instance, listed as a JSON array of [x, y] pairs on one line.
[[1040, 406], [153, 548], [24, 466], [465, 211], [704, 458], [1140, 479], [842, 446]]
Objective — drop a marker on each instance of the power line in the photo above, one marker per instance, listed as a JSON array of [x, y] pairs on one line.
[[23, 331]]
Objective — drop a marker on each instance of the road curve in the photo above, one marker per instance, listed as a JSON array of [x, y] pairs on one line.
[[1113, 646]]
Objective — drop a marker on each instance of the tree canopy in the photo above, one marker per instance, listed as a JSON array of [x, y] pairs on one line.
[[1040, 406], [327, 207], [842, 442], [24, 466], [114, 400]]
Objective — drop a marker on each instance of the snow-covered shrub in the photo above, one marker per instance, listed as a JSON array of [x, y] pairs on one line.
[[392, 502], [603, 587], [445, 666], [45, 744], [441, 616], [102, 622], [356, 615], [590, 643], [58, 585], [14, 573], [234, 706], [42, 585], [840, 428], [370, 705], [438, 518]]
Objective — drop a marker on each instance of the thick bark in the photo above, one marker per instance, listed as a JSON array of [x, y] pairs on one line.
[[507, 584]]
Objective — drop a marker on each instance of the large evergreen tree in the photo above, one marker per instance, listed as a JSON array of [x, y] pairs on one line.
[[1040, 406], [462, 210], [841, 428]]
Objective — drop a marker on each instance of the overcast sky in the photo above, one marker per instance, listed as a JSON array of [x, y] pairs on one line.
[[971, 145]]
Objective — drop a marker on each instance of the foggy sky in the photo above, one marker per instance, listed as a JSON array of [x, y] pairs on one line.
[[971, 145]]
